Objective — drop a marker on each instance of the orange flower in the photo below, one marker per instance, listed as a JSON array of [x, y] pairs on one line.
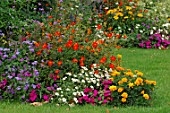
[[50, 16], [73, 30], [74, 60], [82, 58], [103, 60], [45, 45], [59, 63], [109, 35], [50, 63], [110, 28], [81, 63], [39, 52], [71, 36], [89, 31], [57, 33], [37, 44], [57, 71]]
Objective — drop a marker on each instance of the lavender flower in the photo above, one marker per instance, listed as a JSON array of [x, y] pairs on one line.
[[18, 88], [34, 86]]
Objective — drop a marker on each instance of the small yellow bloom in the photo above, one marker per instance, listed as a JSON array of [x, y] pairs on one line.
[[169, 19], [124, 95], [133, 18], [128, 8], [139, 73], [142, 92], [154, 82], [123, 100], [113, 88], [146, 96], [115, 73], [112, 79], [119, 14], [120, 82], [111, 11], [126, 17], [124, 79], [136, 71], [131, 85], [116, 17], [137, 83], [120, 89], [130, 12], [119, 56], [139, 15]]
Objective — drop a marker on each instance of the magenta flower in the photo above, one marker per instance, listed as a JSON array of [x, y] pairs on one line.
[[95, 93], [45, 97], [33, 95]]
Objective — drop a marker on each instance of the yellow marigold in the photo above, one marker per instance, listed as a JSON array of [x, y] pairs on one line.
[[119, 56], [115, 73], [142, 92], [128, 8], [116, 17], [130, 12], [123, 100], [168, 19], [119, 14], [120, 82], [137, 82], [124, 95], [120, 89], [154, 82], [146, 96], [139, 79], [111, 79], [139, 15], [133, 18], [111, 11], [124, 79], [136, 71], [139, 73], [113, 88], [131, 85], [129, 74]]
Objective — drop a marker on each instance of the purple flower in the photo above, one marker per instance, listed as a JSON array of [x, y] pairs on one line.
[[138, 36], [34, 86], [18, 88], [86, 90], [104, 101], [141, 45], [21, 60], [0, 62], [148, 26], [13, 57], [18, 78], [34, 63], [99, 98], [31, 50], [10, 77], [9, 87], [26, 87], [38, 86]]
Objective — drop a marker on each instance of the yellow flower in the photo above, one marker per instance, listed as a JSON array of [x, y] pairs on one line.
[[126, 17], [113, 88], [139, 73], [115, 73], [133, 18], [124, 95], [131, 85], [142, 92], [168, 19], [124, 79], [123, 100], [139, 15], [111, 79], [136, 71], [120, 82], [146, 96], [111, 11], [129, 74], [130, 12], [154, 82], [137, 83], [120, 89], [116, 17], [128, 8], [119, 14], [119, 56]]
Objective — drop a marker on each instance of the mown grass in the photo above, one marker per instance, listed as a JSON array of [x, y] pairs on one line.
[[155, 64]]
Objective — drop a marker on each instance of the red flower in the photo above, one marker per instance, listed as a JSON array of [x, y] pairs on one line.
[[81, 63], [99, 26], [111, 66], [95, 44], [74, 60], [69, 43], [59, 63], [50, 16], [96, 72], [50, 63], [73, 31], [109, 35], [57, 71], [82, 58], [44, 46], [60, 49], [76, 46], [73, 23], [57, 33], [103, 60], [121, 3], [112, 58], [39, 52]]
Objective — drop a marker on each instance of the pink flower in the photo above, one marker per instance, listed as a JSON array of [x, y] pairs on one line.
[[86, 90], [95, 93], [104, 101], [45, 97], [33, 96]]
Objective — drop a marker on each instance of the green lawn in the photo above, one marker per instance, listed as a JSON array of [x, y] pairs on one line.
[[155, 64]]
